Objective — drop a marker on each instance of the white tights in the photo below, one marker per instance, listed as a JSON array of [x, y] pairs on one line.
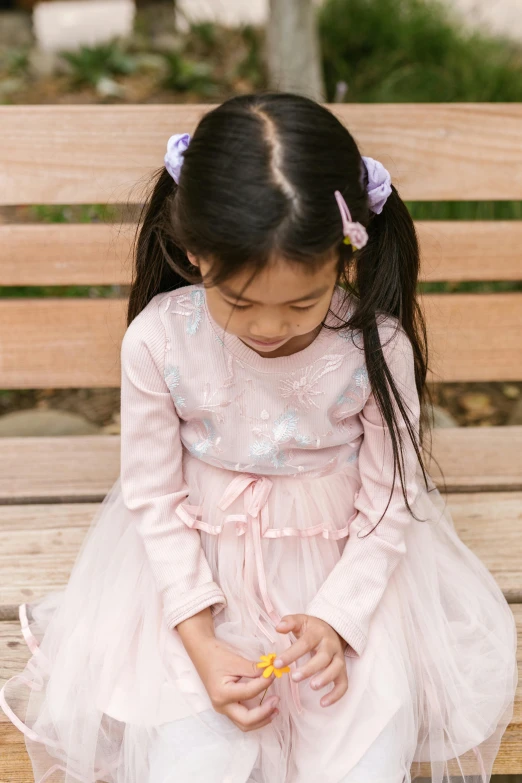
[[186, 751]]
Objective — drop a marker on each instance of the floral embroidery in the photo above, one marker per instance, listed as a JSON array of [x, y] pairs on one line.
[[303, 390], [355, 391], [208, 437], [351, 400], [191, 307], [268, 445], [172, 378]]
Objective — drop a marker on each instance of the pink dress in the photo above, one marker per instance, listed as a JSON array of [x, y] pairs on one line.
[[248, 484]]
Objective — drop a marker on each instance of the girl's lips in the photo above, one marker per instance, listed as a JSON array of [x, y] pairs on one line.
[[267, 343]]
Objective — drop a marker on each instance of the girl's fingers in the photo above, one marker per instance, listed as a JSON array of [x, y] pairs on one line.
[[318, 662], [297, 650], [329, 674], [339, 689], [249, 719], [241, 691]]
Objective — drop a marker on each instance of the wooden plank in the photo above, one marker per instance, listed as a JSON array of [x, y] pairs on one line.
[[39, 543], [76, 342], [83, 468], [475, 337], [38, 546], [66, 343], [15, 767], [490, 524], [434, 151], [475, 459], [59, 469], [101, 254], [66, 254], [455, 250]]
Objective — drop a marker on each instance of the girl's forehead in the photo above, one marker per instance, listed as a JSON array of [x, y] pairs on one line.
[[281, 282]]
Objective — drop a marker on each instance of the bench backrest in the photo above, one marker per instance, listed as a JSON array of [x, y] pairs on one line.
[[105, 154]]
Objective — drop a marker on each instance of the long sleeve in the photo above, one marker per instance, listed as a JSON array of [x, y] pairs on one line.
[[151, 474], [349, 596]]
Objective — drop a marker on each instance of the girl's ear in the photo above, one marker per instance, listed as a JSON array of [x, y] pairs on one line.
[[192, 258]]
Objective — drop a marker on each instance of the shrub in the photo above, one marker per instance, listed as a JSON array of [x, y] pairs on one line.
[[413, 50]]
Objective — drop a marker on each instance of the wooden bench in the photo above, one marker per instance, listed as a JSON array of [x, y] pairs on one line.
[[50, 487]]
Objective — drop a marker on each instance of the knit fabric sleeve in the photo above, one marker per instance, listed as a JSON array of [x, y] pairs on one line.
[[351, 593], [151, 474]]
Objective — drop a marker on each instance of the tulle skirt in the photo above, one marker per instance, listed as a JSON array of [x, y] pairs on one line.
[[110, 694]]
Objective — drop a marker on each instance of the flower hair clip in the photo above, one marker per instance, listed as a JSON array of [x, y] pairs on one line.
[[355, 234]]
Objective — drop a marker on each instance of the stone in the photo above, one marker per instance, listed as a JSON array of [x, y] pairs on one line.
[[35, 422], [43, 64], [108, 88], [114, 428], [442, 418], [15, 29], [511, 391]]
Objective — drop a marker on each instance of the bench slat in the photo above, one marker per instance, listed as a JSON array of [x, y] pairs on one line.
[[39, 543], [434, 151], [66, 254], [83, 468], [76, 342], [100, 254], [58, 469], [478, 458], [14, 763]]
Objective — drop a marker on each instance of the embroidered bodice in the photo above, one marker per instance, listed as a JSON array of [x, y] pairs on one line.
[[286, 415]]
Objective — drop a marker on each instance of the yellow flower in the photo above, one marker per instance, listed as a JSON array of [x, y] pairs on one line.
[[266, 662]]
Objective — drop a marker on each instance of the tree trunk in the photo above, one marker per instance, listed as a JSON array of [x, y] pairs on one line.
[[293, 56]]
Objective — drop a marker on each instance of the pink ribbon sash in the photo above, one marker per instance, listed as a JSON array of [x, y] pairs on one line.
[[255, 491]]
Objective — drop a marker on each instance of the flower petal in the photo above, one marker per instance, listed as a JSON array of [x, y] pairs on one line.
[[268, 671]]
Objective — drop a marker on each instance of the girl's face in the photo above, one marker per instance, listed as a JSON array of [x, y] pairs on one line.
[[278, 313]]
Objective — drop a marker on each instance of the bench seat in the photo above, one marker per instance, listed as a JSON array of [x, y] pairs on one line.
[[39, 543]]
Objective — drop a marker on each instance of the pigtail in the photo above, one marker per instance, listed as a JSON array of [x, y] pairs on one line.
[[384, 282], [160, 264]]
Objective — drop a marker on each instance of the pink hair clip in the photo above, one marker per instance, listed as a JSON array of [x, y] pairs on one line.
[[355, 234]]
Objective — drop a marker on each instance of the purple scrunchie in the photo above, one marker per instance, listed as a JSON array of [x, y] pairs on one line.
[[176, 146], [379, 180], [379, 184]]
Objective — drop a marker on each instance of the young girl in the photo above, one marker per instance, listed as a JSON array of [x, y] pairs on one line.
[[272, 498]]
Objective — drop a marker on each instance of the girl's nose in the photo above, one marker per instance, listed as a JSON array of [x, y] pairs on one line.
[[268, 330]]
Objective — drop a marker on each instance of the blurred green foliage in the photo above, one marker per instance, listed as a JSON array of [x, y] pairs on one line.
[[253, 66], [82, 213], [184, 75], [413, 51], [90, 64], [465, 210]]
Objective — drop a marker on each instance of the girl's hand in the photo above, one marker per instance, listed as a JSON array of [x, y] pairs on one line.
[[220, 669], [328, 661]]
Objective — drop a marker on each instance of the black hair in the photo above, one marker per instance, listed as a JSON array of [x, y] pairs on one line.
[[258, 182]]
